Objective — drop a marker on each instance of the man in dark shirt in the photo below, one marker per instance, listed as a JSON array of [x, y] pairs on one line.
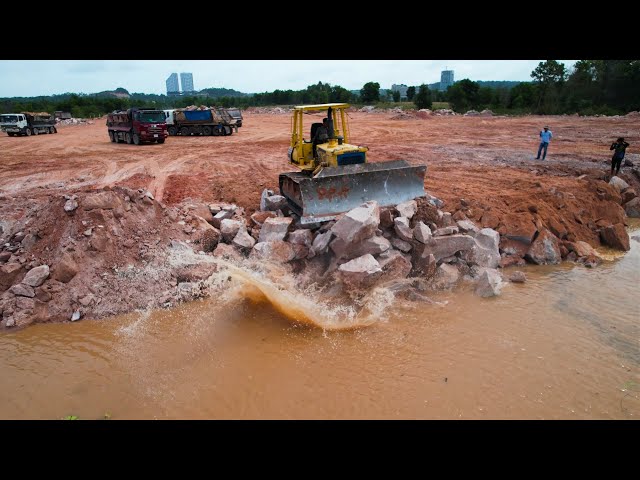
[[619, 147]]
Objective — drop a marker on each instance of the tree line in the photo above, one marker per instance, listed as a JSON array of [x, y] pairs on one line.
[[591, 87]]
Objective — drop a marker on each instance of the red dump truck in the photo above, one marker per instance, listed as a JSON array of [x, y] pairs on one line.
[[204, 121], [137, 125]]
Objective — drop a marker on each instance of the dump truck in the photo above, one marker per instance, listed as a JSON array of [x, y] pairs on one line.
[[209, 121], [333, 175], [27, 123], [137, 125]]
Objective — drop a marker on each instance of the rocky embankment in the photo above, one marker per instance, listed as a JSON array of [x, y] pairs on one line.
[[93, 254]]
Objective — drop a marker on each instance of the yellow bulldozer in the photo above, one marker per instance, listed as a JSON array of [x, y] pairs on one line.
[[334, 176]]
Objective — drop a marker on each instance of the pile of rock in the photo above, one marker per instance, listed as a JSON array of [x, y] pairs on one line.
[[444, 111]]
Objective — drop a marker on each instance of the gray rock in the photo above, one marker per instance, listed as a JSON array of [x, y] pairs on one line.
[[101, 200], [440, 232], [22, 290], [401, 245], [75, 316], [277, 251], [518, 277], [359, 223], [443, 247], [301, 236], [243, 240], [36, 276], [446, 277], [220, 216], [394, 266], [489, 283], [467, 226], [618, 184], [275, 202], [229, 229], [321, 242], [402, 228], [70, 205], [274, 229], [545, 250], [360, 272], [263, 198], [421, 232], [407, 209], [632, 208]]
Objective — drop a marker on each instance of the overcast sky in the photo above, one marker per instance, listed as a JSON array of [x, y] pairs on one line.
[[28, 78]]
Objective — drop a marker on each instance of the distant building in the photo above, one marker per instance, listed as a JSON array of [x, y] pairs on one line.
[[172, 85], [186, 79], [402, 89], [446, 80]]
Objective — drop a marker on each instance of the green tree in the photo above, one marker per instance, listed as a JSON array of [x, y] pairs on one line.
[[463, 95], [370, 92], [396, 96], [422, 99], [549, 77], [411, 91]]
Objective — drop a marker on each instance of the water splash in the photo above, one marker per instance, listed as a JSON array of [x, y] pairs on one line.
[[301, 305]]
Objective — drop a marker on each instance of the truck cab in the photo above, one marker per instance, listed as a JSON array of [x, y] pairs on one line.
[[236, 114]]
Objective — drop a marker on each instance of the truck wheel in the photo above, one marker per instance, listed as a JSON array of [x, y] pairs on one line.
[[28, 132], [116, 138], [227, 130], [54, 130], [127, 138], [160, 140], [112, 137], [206, 131], [35, 131], [184, 131], [10, 134], [136, 139], [172, 131]]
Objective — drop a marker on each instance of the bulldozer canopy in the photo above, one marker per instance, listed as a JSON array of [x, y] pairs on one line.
[[321, 106]]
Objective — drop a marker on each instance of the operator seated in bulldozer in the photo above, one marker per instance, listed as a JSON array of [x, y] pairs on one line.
[[319, 134]]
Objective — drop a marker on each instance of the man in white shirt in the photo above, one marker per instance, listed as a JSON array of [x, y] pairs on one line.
[[545, 138]]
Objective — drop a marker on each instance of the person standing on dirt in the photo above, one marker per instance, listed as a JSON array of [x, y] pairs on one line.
[[545, 138], [619, 147]]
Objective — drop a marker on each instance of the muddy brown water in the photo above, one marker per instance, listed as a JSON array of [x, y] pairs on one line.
[[565, 345]]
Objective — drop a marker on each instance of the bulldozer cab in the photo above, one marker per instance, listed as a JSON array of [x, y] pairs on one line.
[[335, 151]]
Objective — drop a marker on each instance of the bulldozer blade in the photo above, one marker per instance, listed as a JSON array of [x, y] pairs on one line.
[[336, 190]]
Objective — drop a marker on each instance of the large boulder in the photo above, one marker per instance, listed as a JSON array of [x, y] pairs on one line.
[[101, 200], [485, 252], [321, 242], [489, 284], [447, 246], [277, 251], [615, 236], [402, 229], [467, 226], [407, 209], [243, 240], [618, 184], [274, 229], [394, 266], [519, 226], [220, 216], [628, 195], [36, 276], [632, 208], [446, 277], [10, 273], [545, 250], [421, 232], [360, 272], [65, 269], [359, 223], [582, 249], [302, 236], [229, 229], [424, 263], [259, 217]]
